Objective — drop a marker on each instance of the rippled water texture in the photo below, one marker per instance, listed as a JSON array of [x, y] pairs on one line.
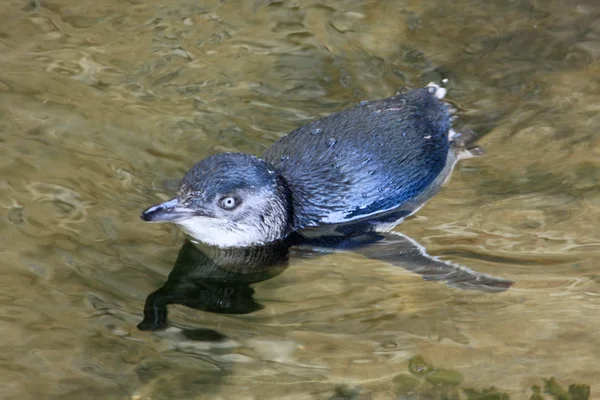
[[105, 104]]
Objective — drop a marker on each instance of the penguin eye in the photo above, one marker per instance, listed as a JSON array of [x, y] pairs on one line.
[[228, 203]]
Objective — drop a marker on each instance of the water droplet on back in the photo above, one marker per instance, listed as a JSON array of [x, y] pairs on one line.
[[316, 131], [331, 142], [284, 158], [363, 102]]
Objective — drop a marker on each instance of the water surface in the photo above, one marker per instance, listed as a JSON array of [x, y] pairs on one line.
[[105, 104]]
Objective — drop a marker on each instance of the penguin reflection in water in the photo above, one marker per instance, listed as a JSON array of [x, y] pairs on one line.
[[218, 280], [342, 182]]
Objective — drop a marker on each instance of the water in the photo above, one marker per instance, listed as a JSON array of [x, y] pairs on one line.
[[104, 105]]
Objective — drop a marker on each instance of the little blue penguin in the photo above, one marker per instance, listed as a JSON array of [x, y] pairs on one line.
[[373, 165]]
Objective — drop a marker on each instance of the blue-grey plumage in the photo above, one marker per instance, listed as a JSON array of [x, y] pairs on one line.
[[366, 167], [371, 158]]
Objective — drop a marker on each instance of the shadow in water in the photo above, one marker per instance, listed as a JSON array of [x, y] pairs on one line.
[[218, 280], [215, 280]]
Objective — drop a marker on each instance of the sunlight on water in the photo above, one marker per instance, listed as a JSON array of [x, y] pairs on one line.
[[104, 105]]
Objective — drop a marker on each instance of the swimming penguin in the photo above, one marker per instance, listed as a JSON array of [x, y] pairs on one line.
[[365, 168]]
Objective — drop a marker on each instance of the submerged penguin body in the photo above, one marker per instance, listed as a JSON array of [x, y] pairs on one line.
[[364, 168]]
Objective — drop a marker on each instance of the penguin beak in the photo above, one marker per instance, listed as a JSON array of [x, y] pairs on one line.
[[169, 211]]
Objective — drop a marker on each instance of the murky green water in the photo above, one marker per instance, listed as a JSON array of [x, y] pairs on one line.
[[105, 104]]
